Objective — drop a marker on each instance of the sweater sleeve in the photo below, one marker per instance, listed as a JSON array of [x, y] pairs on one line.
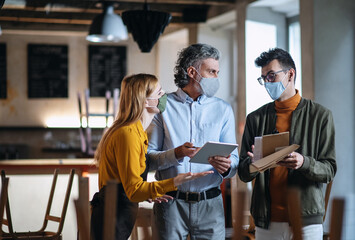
[[129, 153]]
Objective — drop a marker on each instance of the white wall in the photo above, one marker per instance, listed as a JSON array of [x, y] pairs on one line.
[[334, 24], [18, 110], [168, 48], [266, 15], [222, 39]]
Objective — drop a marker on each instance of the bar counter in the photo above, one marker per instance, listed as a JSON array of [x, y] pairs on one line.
[[82, 166]]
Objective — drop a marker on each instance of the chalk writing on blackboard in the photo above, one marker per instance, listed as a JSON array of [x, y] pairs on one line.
[[107, 67], [3, 73], [47, 71]]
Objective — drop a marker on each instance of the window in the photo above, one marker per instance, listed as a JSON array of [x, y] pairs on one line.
[[260, 37], [294, 43]]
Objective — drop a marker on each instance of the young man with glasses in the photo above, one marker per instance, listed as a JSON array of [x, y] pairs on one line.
[[311, 126]]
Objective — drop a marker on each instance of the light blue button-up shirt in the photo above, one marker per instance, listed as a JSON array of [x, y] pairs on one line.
[[185, 120]]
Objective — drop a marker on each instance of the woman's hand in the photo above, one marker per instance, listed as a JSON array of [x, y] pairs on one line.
[[185, 177], [161, 199]]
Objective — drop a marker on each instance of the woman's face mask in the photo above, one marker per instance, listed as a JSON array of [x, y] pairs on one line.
[[161, 102]]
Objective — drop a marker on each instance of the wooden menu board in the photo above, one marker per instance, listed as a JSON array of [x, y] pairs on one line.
[[3, 73], [107, 68], [47, 71]]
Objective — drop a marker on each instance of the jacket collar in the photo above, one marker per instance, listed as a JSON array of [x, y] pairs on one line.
[[303, 102]]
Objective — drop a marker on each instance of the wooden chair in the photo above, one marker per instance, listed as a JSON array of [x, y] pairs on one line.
[[238, 232], [82, 208], [143, 222], [42, 233], [249, 233], [5, 221], [3, 200], [85, 136], [294, 212], [110, 210], [336, 221], [326, 197], [326, 201]]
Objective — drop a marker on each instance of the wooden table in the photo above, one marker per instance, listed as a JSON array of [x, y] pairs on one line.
[[82, 166]]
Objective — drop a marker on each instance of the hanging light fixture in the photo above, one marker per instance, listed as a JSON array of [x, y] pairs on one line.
[[146, 26], [107, 26]]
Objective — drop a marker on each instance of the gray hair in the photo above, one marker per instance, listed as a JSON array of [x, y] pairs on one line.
[[192, 56]]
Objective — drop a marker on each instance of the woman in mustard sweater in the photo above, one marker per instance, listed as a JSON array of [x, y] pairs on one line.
[[121, 156]]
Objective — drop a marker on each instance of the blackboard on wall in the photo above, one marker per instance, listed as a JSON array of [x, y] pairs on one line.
[[3, 73], [107, 68], [47, 71]]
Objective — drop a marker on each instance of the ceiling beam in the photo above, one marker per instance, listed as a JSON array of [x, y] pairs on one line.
[[121, 4], [41, 3], [189, 2], [75, 12], [61, 15], [41, 26], [10, 13]]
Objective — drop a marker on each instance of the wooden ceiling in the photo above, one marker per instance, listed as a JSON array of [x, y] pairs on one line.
[[77, 15]]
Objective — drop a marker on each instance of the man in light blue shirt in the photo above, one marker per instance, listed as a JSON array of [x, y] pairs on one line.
[[192, 117]]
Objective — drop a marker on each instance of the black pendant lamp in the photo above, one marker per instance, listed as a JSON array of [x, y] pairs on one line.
[[107, 26], [146, 26]]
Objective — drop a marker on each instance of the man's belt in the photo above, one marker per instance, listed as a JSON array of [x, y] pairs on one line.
[[195, 196]]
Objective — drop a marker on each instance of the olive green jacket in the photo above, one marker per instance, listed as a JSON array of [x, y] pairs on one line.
[[312, 128]]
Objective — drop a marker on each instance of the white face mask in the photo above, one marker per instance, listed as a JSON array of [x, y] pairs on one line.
[[275, 89], [209, 86]]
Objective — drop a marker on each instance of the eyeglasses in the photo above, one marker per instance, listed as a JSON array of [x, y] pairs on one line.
[[270, 77]]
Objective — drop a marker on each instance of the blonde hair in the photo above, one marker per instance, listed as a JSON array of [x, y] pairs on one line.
[[134, 91]]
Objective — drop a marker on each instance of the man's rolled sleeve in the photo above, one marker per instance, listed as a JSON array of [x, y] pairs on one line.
[[159, 159], [162, 159]]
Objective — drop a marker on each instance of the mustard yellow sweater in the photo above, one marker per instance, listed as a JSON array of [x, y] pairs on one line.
[[123, 159]]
